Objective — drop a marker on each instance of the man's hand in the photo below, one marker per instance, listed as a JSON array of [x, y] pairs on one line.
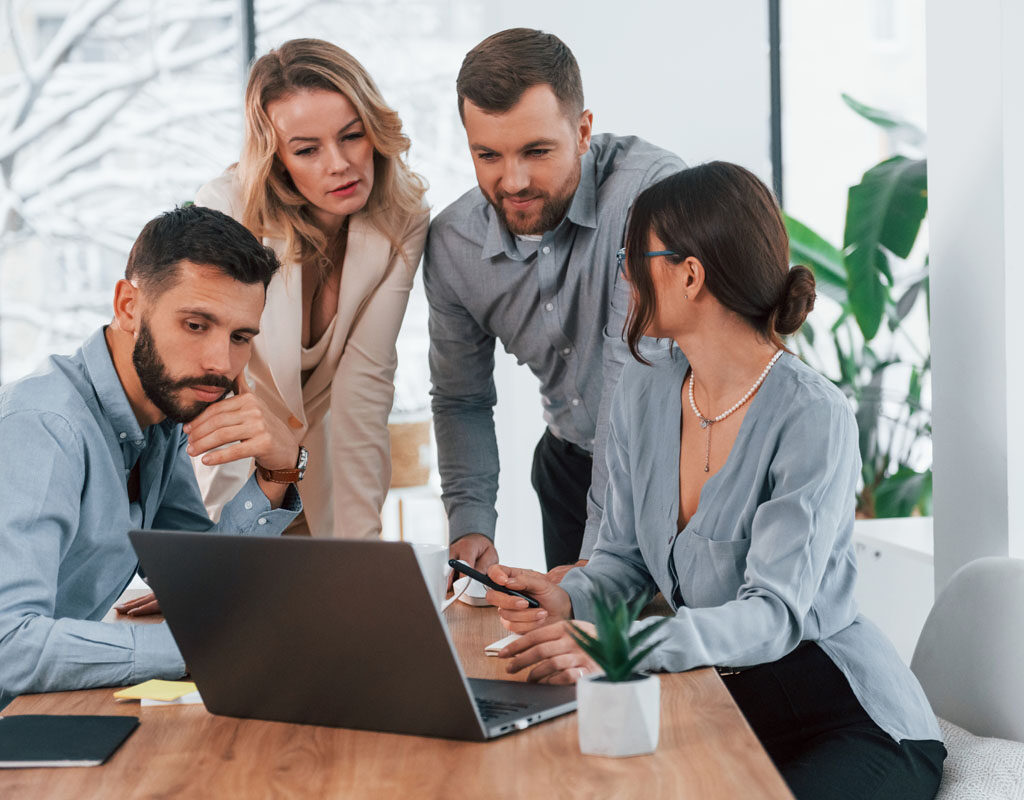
[[515, 613], [552, 652], [474, 549], [245, 420], [140, 606], [555, 575]]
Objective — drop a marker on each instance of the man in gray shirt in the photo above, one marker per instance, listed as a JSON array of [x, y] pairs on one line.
[[529, 257]]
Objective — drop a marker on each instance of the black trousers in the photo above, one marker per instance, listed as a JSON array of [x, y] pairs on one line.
[[561, 478], [820, 738]]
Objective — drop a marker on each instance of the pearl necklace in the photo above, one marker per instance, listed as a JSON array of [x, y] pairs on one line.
[[706, 422]]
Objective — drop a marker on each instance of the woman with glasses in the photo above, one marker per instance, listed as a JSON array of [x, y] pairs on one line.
[[733, 470], [322, 178]]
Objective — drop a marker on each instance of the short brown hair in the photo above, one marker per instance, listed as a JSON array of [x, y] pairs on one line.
[[725, 217], [497, 71]]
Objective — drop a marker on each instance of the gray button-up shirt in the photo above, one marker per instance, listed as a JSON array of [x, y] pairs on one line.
[[68, 441], [558, 306]]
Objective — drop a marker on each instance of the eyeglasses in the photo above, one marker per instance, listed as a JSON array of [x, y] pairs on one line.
[[620, 257]]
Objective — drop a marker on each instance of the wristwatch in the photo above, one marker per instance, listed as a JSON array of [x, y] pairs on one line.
[[286, 475]]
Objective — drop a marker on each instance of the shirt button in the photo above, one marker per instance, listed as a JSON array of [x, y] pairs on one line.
[[545, 249], [262, 520], [566, 351], [575, 401], [122, 435], [248, 505], [547, 307]]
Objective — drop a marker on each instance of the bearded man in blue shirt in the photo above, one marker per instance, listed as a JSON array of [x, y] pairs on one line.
[[98, 443]]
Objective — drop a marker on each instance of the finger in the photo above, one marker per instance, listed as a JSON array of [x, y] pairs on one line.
[[241, 384], [548, 668], [152, 607], [233, 453], [135, 602], [232, 411], [526, 580], [221, 436], [505, 600], [535, 637]]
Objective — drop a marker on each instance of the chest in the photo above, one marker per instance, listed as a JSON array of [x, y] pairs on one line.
[[704, 449]]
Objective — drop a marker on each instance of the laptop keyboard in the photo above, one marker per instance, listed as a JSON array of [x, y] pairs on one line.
[[494, 709]]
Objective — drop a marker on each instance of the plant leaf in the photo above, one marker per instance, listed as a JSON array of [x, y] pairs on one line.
[[884, 119], [867, 293], [888, 206], [899, 494], [636, 659], [824, 259], [641, 636]]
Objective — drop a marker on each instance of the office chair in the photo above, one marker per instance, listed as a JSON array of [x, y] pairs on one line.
[[970, 661]]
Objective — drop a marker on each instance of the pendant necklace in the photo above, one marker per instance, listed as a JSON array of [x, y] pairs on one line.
[[706, 422]]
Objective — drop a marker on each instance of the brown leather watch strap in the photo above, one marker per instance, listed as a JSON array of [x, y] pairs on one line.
[[286, 475], [278, 475]]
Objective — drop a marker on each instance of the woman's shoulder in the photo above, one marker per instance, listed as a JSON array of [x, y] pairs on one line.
[[804, 393], [223, 193], [646, 382]]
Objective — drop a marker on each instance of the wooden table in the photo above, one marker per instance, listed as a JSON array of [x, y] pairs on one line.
[[706, 751]]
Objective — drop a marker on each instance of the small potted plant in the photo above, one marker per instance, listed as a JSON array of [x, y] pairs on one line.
[[618, 712]]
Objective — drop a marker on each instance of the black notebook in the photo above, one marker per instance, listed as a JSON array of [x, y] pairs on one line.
[[54, 740]]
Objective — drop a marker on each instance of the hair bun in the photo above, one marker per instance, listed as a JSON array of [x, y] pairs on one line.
[[796, 302]]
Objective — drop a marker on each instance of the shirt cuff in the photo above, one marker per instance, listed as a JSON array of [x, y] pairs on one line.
[[249, 511], [467, 519], [578, 588], [156, 653]]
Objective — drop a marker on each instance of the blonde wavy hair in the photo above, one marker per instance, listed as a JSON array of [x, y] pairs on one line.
[[272, 206]]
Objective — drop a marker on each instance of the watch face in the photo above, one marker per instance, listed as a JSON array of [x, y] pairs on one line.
[[303, 459]]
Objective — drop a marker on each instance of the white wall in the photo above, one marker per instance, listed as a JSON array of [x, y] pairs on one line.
[[691, 77], [976, 205]]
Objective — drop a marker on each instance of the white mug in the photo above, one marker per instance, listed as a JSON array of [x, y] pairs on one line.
[[433, 561]]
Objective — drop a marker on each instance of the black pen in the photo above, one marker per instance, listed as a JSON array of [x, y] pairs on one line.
[[465, 569]]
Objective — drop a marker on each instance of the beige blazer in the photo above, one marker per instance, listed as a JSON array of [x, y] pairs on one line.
[[341, 414]]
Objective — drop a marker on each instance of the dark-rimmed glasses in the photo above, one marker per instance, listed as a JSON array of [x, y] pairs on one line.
[[620, 257]]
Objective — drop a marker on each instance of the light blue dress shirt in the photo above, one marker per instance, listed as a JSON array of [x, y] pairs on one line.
[[558, 305], [767, 560], [68, 440]]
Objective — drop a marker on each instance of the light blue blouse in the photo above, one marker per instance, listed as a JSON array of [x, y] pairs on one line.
[[767, 560]]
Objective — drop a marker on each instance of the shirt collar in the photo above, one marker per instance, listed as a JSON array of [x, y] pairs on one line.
[[582, 211], [100, 367]]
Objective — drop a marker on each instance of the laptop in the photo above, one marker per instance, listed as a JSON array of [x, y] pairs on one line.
[[332, 632]]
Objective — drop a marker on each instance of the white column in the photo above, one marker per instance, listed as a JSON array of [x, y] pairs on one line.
[[976, 211]]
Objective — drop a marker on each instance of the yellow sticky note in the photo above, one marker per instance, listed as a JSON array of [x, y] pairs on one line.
[[156, 690]]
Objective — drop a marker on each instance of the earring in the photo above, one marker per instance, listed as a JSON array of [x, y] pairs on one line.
[[686, 297]]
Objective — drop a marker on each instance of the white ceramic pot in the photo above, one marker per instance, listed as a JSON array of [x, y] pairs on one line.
[[618, 719]]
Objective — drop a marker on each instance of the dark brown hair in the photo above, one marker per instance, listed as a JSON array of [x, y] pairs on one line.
[[722, 215], [497, 71], [202, 236]]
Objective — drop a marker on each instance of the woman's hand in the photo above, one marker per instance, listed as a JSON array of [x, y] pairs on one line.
[[140, 606], [552, 652], [516, 614]]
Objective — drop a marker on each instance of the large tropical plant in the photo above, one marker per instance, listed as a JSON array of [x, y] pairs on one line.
[[875, 360]]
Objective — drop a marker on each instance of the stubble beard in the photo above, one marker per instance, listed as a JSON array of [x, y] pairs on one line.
[[553, 207]]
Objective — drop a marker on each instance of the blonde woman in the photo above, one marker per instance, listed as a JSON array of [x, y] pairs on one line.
[[322, 179]]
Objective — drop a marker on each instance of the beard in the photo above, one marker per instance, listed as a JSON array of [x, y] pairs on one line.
[[161, 388], [553, 207]]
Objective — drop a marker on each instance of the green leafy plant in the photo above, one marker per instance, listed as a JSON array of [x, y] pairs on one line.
[[614, 650], [879, 365]]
